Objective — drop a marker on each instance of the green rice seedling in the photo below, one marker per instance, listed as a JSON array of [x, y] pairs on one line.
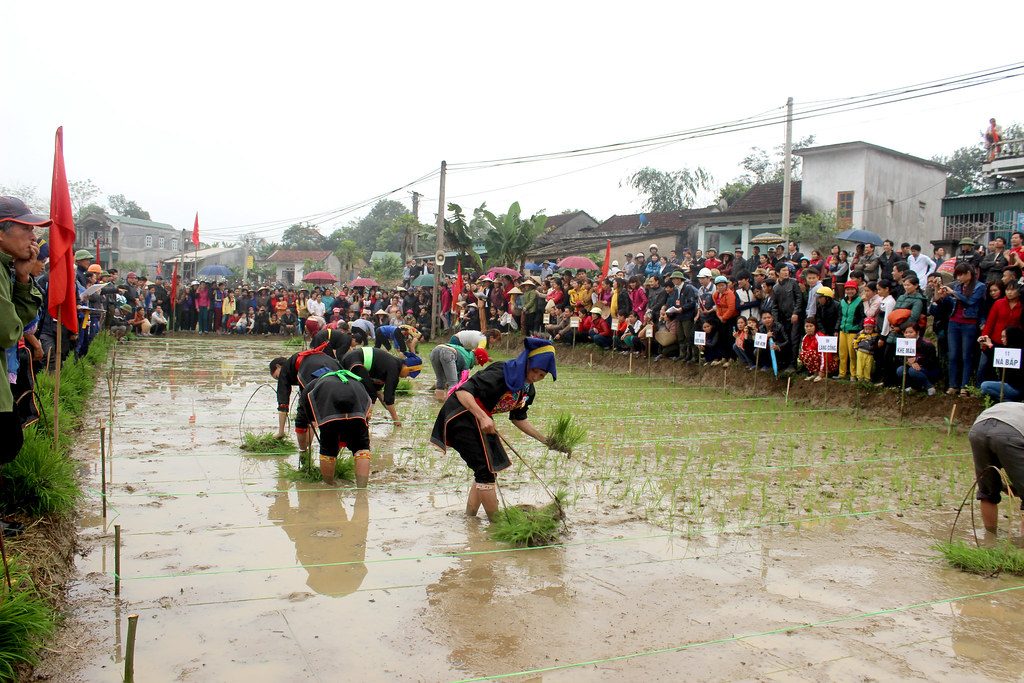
[[41, 480], [26, 621], [267, 442], [296, 342], [998, 559], [565, 433], [309, 471], [404, 387], [526, 526]]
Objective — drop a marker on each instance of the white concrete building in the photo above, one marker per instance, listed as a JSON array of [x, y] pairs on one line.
[[893, 194]]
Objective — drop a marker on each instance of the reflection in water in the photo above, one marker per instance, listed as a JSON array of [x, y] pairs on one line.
[[497, 611], [989, 631], [323, 533]]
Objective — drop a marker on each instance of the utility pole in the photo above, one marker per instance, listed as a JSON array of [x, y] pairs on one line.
[[245, 258], [787, 175], [440, 253], [413, 246]]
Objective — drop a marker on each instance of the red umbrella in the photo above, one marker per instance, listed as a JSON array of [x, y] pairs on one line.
[[503, 270], [319, 277], [577, 262], [364, 282]]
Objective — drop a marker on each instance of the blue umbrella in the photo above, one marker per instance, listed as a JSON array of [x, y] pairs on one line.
[[859, 235], [215, 270]]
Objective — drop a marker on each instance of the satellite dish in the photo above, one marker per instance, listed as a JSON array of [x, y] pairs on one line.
[[722, 204]]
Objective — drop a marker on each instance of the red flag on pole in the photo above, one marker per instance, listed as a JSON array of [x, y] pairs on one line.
[[195, 232], [174, 285], [63, 292], [459, 286], [607, 261]]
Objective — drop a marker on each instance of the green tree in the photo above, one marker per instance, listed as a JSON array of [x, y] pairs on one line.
[[460, 234], [347, 252], [669, 190], [398, 235], [302, 236], [965, 165], [761, 166], [387, 270], [122, 206], [510, 236], [91, 209], [28, 194], [369, 227], [815, 229], [735, 189]]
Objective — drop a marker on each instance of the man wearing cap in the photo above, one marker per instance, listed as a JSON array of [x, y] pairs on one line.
[[712, 261], [19, 304], [528, 305], [83, 259], [653, 265], [705, 292], [725, 311], [630, 268], [968, 254], [682, 307], [739, 265]]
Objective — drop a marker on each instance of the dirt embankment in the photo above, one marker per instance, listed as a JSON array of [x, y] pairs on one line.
[[918, 407]]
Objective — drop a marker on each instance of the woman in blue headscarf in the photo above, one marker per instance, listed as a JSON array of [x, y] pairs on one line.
[[465, 421]]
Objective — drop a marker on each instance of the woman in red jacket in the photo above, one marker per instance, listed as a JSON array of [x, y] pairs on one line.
[[1005, 312]]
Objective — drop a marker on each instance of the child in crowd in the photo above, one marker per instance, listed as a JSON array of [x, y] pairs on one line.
[[712, 354], [743, 344], [867, 344], [818, 364]]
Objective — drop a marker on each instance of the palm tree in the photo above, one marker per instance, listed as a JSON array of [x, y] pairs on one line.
[[459, 235]]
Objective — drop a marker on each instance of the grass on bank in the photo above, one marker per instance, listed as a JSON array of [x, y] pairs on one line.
[[266, 442], [528, 526], [565, 433], [309, 469], [26, 621], [41, 480], [1005, 558]]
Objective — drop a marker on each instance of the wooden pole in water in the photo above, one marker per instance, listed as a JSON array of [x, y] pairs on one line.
[[117, 559], [103, 468], [129, 654]]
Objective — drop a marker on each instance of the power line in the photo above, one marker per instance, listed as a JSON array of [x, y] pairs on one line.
[[759, 121]]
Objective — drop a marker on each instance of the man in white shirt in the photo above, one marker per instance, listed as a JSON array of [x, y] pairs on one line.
[[813, 285], [922, 265], [316, 307]]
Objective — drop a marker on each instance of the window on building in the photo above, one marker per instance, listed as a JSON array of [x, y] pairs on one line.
[[162, 242], [149, 241], [921, 207], [844, 210], [174, 245]]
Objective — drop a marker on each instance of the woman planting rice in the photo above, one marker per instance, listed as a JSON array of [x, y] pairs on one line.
[[338, 404], [465, 421]]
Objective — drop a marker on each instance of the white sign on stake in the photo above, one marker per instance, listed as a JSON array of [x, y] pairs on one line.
[[547, 318], [1006, 358], [760, 340], [615, 324], [574, 322], [699, 339], [906, 347], [828, 344], [649, 331]]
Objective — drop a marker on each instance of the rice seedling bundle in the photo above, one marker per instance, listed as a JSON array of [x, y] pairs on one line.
[[404, 387], [1003, 558], [309, 470], [297, 342], [528, 526], [266, 442], [565, 433]]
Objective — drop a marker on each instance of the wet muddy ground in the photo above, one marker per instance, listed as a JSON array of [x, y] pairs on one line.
[[806, 557]]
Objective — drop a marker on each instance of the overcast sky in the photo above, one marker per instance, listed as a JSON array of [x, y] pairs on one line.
[[253, 112]]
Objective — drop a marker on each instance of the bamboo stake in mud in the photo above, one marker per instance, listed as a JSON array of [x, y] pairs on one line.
[[630, 362], [789, 383], [903, 389], [129, 654], [117, 559], [1002, 383], [757, 366], [56, 385], [7, 569], [103, 468], [952, 416]]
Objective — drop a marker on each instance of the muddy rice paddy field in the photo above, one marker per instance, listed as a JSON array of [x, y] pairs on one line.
[[712, 536]]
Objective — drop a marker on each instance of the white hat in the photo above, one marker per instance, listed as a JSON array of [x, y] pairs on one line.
[[400, 288], [365, 311], [381, 312], [704, 272], [615, 263], [515, 290], [653, 246], [472, 304], [595, 309]]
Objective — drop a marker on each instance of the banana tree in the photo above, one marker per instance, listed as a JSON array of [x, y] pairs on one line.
[[510, 236]]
